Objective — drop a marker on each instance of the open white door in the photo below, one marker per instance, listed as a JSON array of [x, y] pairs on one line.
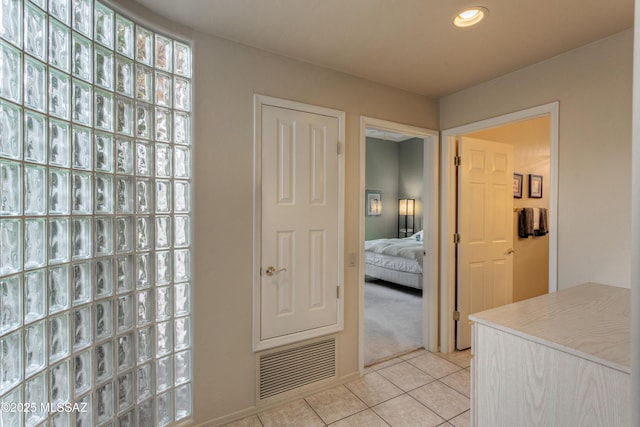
[[485, 228]]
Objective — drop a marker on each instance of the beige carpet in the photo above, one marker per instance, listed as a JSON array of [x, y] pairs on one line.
[[392, 320]]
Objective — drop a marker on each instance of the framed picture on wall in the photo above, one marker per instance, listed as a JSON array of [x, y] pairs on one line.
[[374, 203], [517, 186], [535, 186]]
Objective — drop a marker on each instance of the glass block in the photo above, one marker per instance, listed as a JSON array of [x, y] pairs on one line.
[[163, 268], [124, 76], [163, 89], [144, 270], [181, 231], [10, 361], [124, 116], [60, 9], [35, 180], [58, 240], [163, 160], [59, 200], [10, 188], [182, 96], [183, 367], [36, 394], [81, 275], [104, 320], [82, 238], [143, 121], [163, 125], [144, 83], [81, 103], [104, 277], [59, 337], [145, 308], [35, 137], [82, 57], [144, 199], [164, 303], [83, 373], [182, 299], [124, 234], [163, 196], [145, 382], [143, 233], [124, 36], [182, 128], [104, 235], [181, 193], [35, 32], [144, 159], [183, 401], [84, 418], [164, 407], [11, 246], [182, 265], [81, 149], [59, 44], [103, 26], [163, 232], [35, 84], [11, 304], [124, 273], [10, 131], [182, 334], [125, 313], [35, 243], [164, 53], [11, 66], [182, 61], [104, 152], [11, 418], [81, 16], [104, 193], [35, 348], [145, 344], [124, 194], [104, 402], [34, 295], [164, 373], [103, 68], [144, 46], [82, 192], [59, 383], [60, 419], [182, 162], [104, 361], [59, 288], [59, 94], [124, 392], [59, 143], [82, 330], [11, 21], [125, 352], [104, 110], [124, 157]]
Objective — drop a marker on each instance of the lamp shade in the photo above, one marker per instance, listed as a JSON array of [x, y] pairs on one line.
[[406, 206]]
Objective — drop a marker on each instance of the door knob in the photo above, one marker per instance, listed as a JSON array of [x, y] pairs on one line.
[[271, 271], [510, 251]]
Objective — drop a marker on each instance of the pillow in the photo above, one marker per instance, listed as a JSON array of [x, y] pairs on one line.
[[418, 236]]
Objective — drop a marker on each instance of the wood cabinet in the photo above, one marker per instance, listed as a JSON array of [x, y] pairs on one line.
[[561, 359]]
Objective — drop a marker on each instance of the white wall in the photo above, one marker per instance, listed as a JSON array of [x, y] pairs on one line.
[[593, 86]]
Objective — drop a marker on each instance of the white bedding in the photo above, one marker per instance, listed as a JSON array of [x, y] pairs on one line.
[[401, 253]]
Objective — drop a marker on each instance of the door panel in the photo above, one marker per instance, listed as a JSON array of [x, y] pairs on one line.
[[485, 225]]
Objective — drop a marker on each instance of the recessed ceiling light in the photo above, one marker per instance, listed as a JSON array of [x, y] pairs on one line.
[[470, 16]]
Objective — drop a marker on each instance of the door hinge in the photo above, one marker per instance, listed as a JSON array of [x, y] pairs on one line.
[[339, 148], [337, 292], [457, 161], [456, 315], [456, 238]]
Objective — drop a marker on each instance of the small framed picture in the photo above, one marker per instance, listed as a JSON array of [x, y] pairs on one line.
[[535, 186], [517, 186], [374, 203]]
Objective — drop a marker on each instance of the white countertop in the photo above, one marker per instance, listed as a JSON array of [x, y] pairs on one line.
[[591, 321]]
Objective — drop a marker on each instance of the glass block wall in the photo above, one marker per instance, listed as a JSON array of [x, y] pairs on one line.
[[95, 167]]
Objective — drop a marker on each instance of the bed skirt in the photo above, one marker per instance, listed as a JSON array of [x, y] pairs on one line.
[[404, 278]]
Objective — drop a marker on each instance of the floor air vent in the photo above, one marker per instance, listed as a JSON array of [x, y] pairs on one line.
[[295, 367]]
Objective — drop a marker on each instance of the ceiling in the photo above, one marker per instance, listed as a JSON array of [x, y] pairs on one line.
[[407, 44]]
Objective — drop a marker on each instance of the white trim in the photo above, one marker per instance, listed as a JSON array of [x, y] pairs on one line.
[[430, 211], [258, 102], [448, 209]]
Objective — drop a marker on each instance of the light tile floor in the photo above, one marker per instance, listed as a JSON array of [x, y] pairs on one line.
[[420, 389]]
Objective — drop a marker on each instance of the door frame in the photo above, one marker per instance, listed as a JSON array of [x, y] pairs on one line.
[[448, 206], [431, 177]]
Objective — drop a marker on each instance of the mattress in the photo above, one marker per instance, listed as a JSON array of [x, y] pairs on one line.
[[395, 260]]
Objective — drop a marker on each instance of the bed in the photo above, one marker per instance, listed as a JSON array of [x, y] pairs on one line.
[[395, 260]]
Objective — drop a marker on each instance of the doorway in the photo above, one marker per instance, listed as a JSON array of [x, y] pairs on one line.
[[491, 129], [427, 220]]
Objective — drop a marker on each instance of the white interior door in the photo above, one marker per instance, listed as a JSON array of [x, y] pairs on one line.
[[300, 275], [485, 226]]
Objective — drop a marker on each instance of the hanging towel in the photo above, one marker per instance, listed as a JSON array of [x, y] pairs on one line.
[[525, 223], [542, 225]]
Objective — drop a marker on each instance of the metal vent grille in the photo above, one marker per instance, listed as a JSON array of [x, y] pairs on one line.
[[295, 367]]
